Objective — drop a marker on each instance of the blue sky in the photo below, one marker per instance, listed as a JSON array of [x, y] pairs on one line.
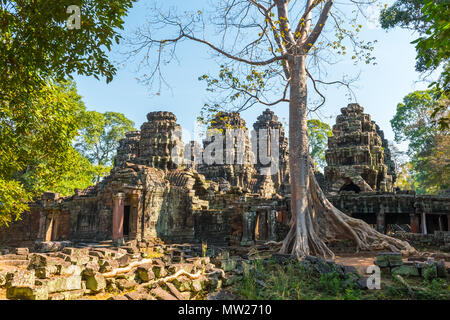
[[379, 87]]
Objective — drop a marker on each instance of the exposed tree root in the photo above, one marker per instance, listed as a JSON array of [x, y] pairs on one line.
[[318, 222], [132, 265]]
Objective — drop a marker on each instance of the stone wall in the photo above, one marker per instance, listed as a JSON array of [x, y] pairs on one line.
[[150, 194]]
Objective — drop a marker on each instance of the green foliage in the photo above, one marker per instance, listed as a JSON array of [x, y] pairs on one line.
[[430, 18], [428, 144], [271, 280], [35, 43], [13, 200], [318, 133], [100, 135], [292, 281], [36, 152], [39, 110]]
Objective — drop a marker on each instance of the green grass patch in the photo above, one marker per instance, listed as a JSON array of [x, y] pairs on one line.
[[294, 281]]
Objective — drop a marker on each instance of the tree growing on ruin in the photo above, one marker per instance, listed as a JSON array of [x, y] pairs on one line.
[[267, 47], [38, 108]]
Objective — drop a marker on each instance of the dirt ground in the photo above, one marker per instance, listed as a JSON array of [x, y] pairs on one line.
[[362, 260]]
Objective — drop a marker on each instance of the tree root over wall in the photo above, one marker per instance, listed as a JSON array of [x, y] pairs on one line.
[[318, 222]]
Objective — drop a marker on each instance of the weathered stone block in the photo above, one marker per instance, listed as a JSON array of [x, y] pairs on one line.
[[441, 269], [60, 284], [72, 270], [67, 295], [391, 259], [161, 294], [123, 284], [145, 272], [27, 293], [123, 260], [20, 279], [108, 265], [228, 265], [46, 272], [197, 285], [405, 270], [188, 267], [22, 251], [94, 281]]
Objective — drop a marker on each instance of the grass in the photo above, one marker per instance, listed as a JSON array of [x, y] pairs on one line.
[[291, 281]]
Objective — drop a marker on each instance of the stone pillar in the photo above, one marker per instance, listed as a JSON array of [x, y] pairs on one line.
[[118, 212], [414, 223], [381, 227], [41, 233], [262, 232], [424, 222], [248, 228], [133, 224], [272, 225], [441, 222]]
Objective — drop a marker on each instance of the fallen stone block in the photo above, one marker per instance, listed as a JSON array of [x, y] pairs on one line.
[[22, 251], [182, 283], [441, 269], [123, 284], [145, 272], [45, 272], [94, 281], [38, 260], [61, 284], [188, 267], [130, 249], [123, 260], [173, 290], [108, 265], [20, 279], [137, 295], [161, 294], [92, 266], [15, 263], [67, 295], [3, 275], [76, 251], [389, 259], [405, 270], [13, 257], [197, 284], [69, 270], [27, 293], [118, 298]]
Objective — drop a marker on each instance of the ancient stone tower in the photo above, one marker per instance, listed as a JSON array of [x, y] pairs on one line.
[[128, 150], [160, 145], [235, 163], [356, 155], [269, 121]]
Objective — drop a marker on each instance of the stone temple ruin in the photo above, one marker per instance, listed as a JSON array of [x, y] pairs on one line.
[[149, 194]]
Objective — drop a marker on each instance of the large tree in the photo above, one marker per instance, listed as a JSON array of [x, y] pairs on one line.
[[269, 42], [428, 143], [36, 152], [38, 109], [429, 19], [99, 137]]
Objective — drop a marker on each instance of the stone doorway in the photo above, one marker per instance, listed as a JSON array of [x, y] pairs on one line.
[[350, 186], [126, 221], [262, 226]]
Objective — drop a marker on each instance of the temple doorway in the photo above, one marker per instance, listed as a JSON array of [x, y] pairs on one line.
[[350, 186], [126, 221]]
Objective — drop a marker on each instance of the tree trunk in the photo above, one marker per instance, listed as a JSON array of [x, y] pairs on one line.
[[315, 222]]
